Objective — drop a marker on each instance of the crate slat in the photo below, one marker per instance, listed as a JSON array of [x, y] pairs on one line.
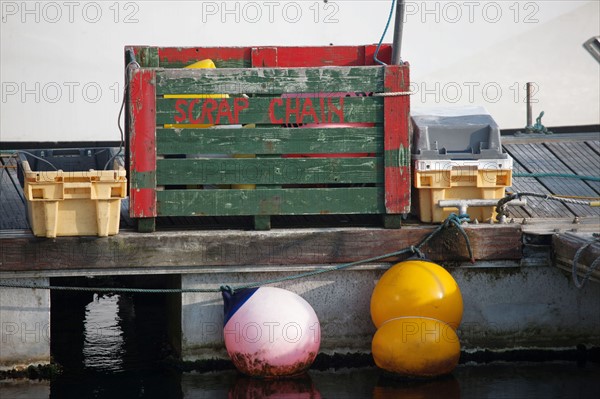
[[270, 140], [233, 111], [293, 56], [270, 171], [269, 80], [281, 201]]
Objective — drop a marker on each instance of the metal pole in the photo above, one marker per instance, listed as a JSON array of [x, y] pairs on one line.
[[398, 25], [528, 94]]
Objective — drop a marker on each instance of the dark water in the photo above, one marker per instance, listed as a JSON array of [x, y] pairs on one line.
[[113, 347]]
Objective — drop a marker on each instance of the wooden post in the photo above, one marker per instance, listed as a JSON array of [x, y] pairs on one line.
[[142, 145], [396, 145]]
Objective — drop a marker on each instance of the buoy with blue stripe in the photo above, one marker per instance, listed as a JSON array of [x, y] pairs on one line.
[[270, 332]]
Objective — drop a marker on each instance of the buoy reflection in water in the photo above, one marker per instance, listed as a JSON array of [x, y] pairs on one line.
[[300, 387]]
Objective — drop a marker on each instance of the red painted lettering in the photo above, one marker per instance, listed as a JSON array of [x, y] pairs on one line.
[[272, 118], [335, 111], [224, 112], [290, 110], [239, 104], [209, 106], [191, 112], [179, 107], [308, 110], [322, 104]]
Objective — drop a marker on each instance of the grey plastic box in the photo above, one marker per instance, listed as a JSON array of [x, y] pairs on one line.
[[456, 135]]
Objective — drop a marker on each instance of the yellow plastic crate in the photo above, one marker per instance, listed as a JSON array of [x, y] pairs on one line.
[[81, 203], [456, 180]]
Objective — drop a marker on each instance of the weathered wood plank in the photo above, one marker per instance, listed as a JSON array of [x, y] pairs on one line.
[[270, 141], [227, 111], [13, 209], [566, 245], [270, 201], [293, 56], [594, 145], [536, 207], [147, 57], [538, 159], [142, 147], [197, 249], [580, 158], [396, 142], [269, 80], [269, 171]]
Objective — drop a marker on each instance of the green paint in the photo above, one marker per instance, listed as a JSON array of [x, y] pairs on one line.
[[269, 171], [273, 140], [148, 57], [240, 63], [142, 179], [146, 225], [301, 201], [187, 111], [270, 80], [399, 157], [404, 156]]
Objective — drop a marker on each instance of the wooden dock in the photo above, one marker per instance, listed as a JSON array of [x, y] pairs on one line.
[[515, 283]]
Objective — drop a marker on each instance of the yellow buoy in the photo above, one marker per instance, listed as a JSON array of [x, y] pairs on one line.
[[416, 347], [417, 288], [203, 64]]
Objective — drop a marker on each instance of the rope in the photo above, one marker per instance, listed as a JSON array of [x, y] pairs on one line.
[[394, 94], [387, 25], [502, 207], [452, 220], [579, 284], [122, 143], [561, 175], [114, 290]]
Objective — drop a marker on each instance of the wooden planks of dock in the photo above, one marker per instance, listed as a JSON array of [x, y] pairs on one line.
[[205, 242]]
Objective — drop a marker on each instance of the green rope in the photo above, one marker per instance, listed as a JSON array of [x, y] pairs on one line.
[[452, 220], [561, 175]]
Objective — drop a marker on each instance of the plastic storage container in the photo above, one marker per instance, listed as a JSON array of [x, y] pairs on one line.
[[79, 198], [458, 156]]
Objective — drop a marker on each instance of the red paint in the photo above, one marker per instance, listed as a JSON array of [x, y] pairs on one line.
[[142, 141], [192, 54], [308, 110], [191, 106], [179, 104], [333, 110], [272, 104], [284, 57], [396, 119], [264, 57], [209, 106], [292, 110], [224, 111], [297, 108], [239, 104], [142, 202], [211, 111]]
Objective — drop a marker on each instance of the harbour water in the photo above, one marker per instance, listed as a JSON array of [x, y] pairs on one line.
[[114, 346]]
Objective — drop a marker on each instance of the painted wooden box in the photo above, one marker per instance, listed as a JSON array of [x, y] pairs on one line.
[[269, 131]]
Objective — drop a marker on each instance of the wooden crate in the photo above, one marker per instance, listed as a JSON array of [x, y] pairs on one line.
[[259, 82]]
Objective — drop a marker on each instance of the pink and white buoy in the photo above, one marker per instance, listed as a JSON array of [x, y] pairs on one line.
[[270, 332]]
